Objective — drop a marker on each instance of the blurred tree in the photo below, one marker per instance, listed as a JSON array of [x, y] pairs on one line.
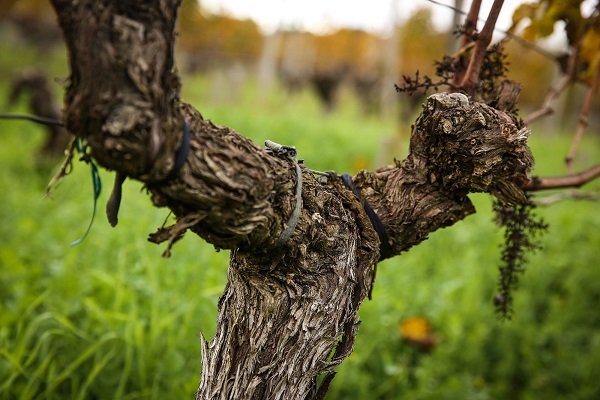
[[5, 7], [420, 43], [34, 9], [326, 61], [216, 39], [42, 102], [582, 33], [532, 70], [581, 63], [34, 20], [297, 58]]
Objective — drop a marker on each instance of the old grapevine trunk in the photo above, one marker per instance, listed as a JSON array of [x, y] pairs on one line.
[[289, 312]]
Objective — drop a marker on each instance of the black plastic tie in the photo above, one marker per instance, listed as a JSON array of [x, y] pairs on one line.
[[182, 153], [385, 250]]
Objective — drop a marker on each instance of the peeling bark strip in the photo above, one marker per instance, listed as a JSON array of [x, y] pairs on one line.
[[288, 312]]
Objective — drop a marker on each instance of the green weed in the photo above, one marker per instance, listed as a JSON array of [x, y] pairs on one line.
[[111, 319]]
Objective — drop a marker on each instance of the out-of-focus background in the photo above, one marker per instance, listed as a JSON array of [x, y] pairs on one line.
[[111, 319]]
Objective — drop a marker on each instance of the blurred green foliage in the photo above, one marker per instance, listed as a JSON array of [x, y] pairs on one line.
[[111, 319]]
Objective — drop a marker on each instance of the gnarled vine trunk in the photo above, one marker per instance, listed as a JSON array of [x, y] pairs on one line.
[[289, 311]]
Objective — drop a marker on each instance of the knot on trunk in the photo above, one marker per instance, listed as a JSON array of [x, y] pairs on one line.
[[466, 146]]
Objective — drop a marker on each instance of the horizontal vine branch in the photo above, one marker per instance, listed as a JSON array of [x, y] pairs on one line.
[[567, 181]]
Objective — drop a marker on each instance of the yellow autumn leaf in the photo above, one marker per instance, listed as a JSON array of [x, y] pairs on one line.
[[524, 11], [415, 328], [589, 56]]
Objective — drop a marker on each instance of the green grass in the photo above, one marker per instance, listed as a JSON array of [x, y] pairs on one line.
[[111, 319]]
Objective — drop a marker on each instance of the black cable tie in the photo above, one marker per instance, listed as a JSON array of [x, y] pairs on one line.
[[33, 118], [181, 154], [385, 250]]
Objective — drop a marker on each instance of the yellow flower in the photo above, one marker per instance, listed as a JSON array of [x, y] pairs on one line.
[[417, 331]]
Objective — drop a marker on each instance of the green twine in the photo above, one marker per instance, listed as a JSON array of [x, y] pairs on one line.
[[96, 182]]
